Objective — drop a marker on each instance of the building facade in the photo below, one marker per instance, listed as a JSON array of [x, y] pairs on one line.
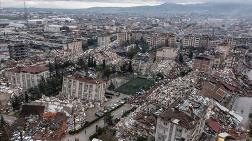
[[73, 48], [202, 64], [18, 51], [77, 86], [175, 125], [4, 52], [27, 77], [103, 41]]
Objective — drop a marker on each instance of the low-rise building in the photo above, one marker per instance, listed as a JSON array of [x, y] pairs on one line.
[[77, 86]]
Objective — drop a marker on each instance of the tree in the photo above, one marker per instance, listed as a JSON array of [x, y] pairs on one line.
[[51, 68], [4, 130], [89, 61], [141, 138], [106, 72], [132, 52], [111, 86], [123, 67], [35, 93], [190, 54], [181, 59], [16, 103], [26, 97], [108, 119], [84, 47], [103, 64], [130, 68], [94, 64], [81, 63]]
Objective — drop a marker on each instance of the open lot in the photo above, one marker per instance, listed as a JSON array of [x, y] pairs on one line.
[[135, 85]]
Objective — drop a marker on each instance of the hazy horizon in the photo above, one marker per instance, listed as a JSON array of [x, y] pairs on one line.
[[79, 4]]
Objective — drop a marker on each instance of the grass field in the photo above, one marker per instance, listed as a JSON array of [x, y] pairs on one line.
[[135, 85]]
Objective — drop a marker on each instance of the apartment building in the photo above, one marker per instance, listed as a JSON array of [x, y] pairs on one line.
[[223, 48], [77, 86], [171, 40], [4, 52], [73, 48], [202, 64], [175, 125], [27, 77], [123, 37], [103, 40], [18, 51], [155, 41], [196, 41]]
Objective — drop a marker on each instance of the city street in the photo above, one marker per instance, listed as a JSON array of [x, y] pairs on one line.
[[82, 136]]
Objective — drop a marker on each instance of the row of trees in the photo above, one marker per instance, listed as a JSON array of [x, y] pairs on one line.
[[5, 132]]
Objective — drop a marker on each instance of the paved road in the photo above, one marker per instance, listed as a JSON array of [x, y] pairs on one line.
[[82, 136], [243, 106]]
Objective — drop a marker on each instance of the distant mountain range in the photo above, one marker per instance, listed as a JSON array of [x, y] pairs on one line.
[[211, 8], [238, 9]]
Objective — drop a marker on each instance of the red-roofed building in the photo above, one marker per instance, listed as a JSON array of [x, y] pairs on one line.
[[27, 77], [77, 86]]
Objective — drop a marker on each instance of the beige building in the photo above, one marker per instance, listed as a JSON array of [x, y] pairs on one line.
[[103, 41], [171, 40], [166, 53], [223, 48], [155, 41], [202, 64], [77, 86], [73, 48], [123, 37], [27, 77], [196, 41]]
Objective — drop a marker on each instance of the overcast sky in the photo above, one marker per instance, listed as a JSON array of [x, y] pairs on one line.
[[99, 3]]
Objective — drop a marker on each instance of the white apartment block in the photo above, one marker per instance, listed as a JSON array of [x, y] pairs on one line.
[[178, 126], [27, 77], [85, 88], [191, 41]]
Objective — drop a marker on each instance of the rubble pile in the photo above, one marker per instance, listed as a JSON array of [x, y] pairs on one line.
[[142, 122], [74, 109], [178, 88]]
